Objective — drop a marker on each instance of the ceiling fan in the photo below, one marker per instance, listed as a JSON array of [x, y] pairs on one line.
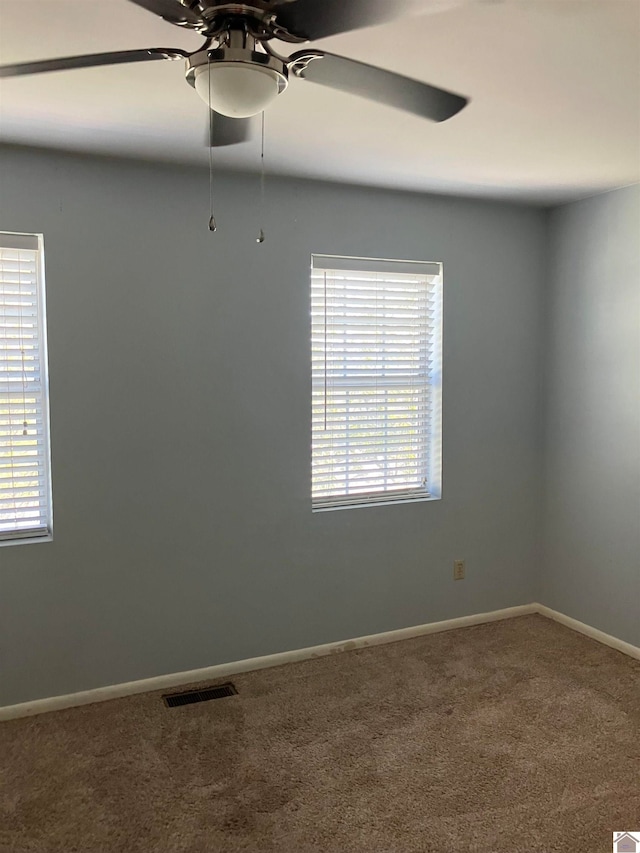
[[237, 72]]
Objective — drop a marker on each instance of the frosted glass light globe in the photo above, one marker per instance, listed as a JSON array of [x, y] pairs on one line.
[[238, 89]]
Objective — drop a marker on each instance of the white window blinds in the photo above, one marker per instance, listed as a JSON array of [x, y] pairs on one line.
[[376, 331], [25, 491]]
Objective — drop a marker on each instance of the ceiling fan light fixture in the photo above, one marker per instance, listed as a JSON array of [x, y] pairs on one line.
[[237, 89]]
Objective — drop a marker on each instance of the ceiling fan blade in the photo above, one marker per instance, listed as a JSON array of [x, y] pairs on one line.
[[173, 11], [224, 130], [315, 19], [90, 60], [385, 87]]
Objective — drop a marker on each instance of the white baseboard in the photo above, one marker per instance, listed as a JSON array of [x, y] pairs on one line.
[[588, 631], [224, 670]]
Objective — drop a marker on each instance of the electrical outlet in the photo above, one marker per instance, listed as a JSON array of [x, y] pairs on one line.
[[458, 570]]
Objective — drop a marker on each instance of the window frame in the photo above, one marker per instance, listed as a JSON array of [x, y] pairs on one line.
[[432, 489], [30, 536]]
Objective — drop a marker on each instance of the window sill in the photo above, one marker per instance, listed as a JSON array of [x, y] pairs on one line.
[[390, 502], [27, 540]]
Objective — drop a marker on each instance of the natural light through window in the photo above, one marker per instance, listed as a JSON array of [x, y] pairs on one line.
[[25, 487], [376, 341]]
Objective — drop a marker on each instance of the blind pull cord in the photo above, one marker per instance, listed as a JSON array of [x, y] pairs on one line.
[[325, 352]]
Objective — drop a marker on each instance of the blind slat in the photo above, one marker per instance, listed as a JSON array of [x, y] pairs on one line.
[[364, 437]]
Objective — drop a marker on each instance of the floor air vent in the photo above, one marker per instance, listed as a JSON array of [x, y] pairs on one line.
[[189, 697]]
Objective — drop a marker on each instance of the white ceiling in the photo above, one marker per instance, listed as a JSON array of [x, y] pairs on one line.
[[555, 89]]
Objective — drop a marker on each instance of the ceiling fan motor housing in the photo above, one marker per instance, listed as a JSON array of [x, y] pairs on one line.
[[235, 79]]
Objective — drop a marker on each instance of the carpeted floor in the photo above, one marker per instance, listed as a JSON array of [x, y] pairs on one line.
[[513, 737]]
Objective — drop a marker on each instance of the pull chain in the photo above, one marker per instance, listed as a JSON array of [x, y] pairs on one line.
[[260, 237], [212, 221]]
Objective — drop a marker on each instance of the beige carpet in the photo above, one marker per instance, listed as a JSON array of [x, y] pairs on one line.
[[503, 738]]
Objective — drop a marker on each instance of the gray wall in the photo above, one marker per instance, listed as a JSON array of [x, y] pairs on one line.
[[592, 441], [180, 403]]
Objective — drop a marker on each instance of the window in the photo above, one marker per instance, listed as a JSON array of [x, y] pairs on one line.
[[25, 486], [376, 332]]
